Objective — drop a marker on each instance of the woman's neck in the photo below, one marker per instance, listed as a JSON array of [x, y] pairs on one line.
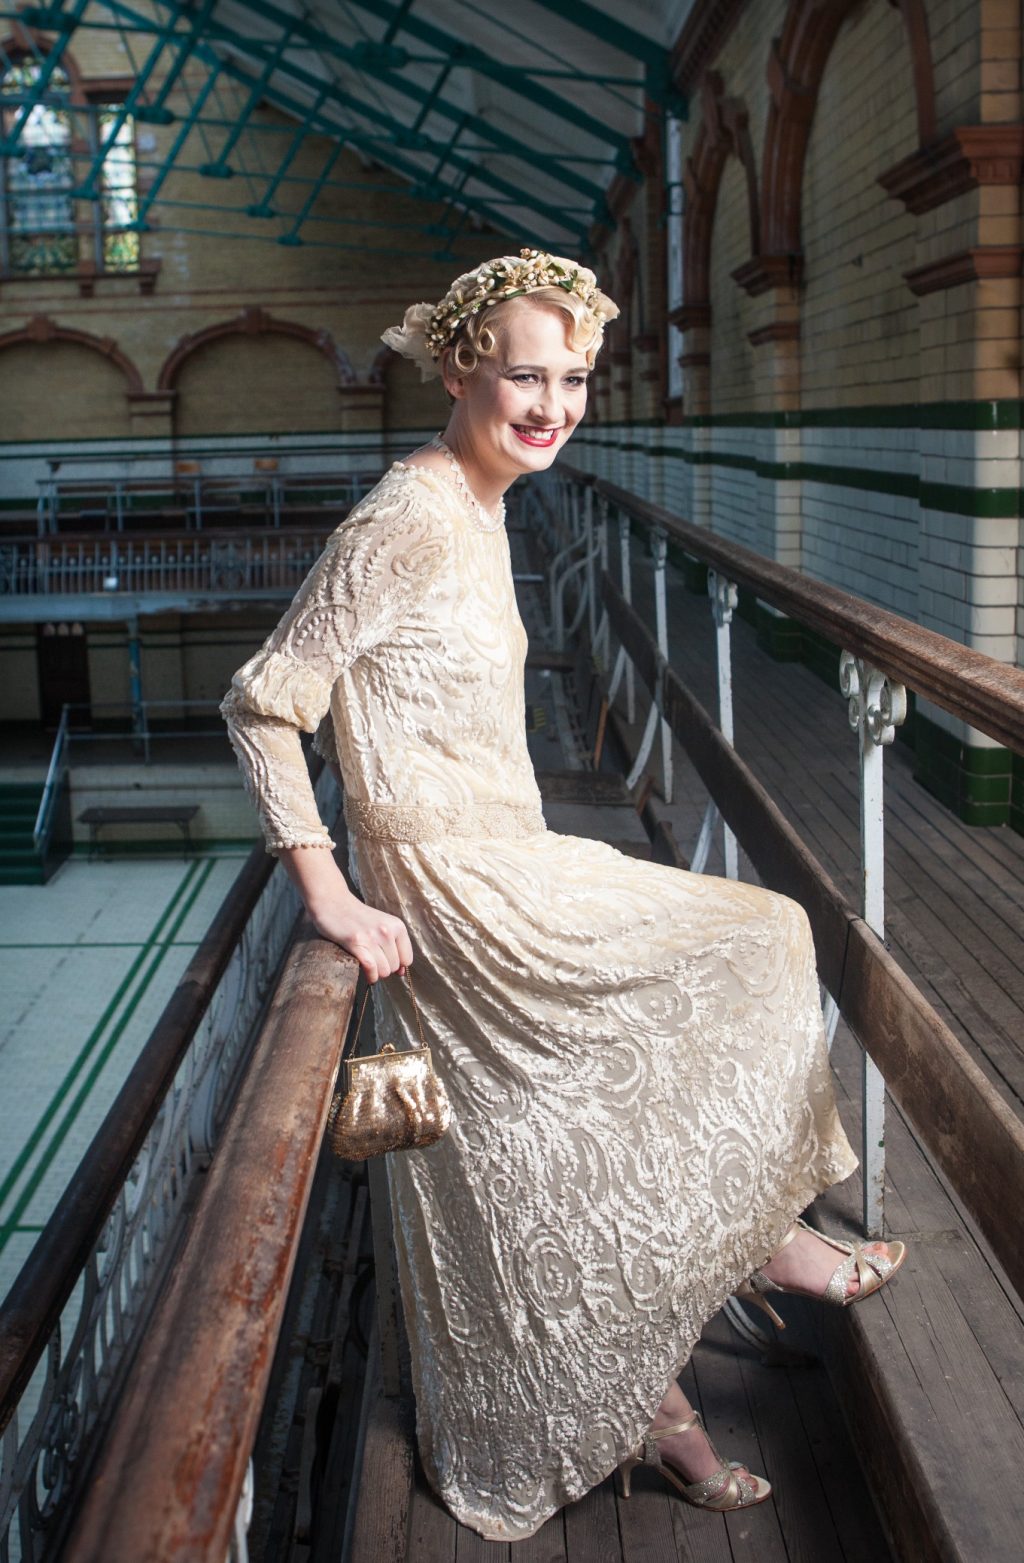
[[487, 484]]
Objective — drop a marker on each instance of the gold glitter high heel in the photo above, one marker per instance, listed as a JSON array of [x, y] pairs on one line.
[[723, 1489], [872, 1271]]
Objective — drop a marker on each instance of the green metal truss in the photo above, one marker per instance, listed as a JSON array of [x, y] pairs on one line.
[[179, 33]]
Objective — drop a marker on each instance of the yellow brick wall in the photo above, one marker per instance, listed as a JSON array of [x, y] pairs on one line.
[[60, 390], [859, 335], [733, 313], [271, 383]]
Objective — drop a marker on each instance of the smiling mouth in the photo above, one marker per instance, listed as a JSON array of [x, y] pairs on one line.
[[539, 437]]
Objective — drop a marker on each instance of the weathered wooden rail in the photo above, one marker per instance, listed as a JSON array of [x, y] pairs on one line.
[[170, 1476]]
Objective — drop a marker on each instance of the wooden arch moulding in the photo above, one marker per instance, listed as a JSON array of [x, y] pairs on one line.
[[256, 322], [41, 329], [795, 69], [724, 133]]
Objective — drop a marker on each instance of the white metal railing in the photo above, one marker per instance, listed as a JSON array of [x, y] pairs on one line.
[[274, 563], [877, 705], [79, 1368]]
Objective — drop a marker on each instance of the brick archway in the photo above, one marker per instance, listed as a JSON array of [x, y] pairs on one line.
[[795, 70], [42, 329], [724, 133], [256, 322]]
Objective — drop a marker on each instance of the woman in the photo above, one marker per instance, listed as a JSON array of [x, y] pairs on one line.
[[634, 1055]]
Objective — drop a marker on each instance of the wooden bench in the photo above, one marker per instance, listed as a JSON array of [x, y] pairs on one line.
[[180, 814]]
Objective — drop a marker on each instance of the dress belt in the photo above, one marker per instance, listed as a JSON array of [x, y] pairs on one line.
[[438, 821]]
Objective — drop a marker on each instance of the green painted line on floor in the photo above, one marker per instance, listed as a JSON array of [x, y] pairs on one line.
[[11, 1177], [8, 1226], [94, 944]]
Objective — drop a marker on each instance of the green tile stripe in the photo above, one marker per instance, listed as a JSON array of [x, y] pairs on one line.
[[952, 498], [178, 907], [986, 415]]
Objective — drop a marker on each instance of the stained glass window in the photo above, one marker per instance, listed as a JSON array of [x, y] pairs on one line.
[[119, 204], [39, 213], [38, 231]]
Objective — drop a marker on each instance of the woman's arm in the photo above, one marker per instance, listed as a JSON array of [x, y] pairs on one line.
[[379, 942], [372, 573]]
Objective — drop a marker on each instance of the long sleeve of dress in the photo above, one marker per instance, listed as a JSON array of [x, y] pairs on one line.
[[374, 569]]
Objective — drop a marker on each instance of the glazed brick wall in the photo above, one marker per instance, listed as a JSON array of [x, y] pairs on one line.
[[858, 318]]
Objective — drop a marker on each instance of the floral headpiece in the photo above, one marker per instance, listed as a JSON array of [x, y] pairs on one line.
[[429, 328]]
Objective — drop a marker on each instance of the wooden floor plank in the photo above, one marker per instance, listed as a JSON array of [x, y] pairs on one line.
[[592, 1527], [431, 1527]]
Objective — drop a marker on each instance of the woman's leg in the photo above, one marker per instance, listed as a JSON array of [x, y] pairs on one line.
[[689, 1453]]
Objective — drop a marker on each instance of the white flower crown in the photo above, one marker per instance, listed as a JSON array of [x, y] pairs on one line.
[[429, 328]]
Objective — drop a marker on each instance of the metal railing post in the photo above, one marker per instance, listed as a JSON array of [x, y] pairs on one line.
[[659, 547], [877, 706], [723, 596], [626, 573], [589, 555]]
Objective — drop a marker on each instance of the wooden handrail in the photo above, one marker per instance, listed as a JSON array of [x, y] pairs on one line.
[[961, 1118], [167, 1481], [982, 691]]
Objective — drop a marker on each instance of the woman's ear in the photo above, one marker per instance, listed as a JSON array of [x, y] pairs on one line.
[[454, 382]]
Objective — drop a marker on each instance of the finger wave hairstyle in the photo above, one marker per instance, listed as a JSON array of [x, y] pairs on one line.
[[479, 336]]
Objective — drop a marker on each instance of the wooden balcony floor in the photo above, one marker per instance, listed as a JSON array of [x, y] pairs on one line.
[[784, 1421]]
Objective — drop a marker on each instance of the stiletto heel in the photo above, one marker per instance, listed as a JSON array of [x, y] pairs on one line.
[[724, 1489], [871, 1270], [746, 1293], [626, 1474]]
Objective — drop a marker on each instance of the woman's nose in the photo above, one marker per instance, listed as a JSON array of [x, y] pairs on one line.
[[547, 409]]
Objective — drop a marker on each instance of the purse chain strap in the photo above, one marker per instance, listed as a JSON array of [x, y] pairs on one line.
[[346, 1053]]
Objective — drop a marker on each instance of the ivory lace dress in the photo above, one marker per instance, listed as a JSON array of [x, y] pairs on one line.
[[634, 1054]]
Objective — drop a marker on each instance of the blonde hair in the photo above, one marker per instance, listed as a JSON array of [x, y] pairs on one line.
[[479, 336]]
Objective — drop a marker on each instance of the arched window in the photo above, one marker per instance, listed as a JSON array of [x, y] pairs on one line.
[[44, 229]]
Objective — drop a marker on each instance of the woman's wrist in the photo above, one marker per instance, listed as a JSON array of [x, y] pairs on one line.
[[318, 878]]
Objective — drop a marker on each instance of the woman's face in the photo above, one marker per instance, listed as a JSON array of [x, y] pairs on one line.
[[520, 404]]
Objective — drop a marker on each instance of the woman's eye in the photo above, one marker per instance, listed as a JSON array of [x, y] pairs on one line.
[[576, 380], [522, 379]]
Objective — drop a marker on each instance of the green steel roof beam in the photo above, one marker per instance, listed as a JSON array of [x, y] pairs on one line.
[[187, 126], [292, 236], [600, 24], [86, 191], [263, 207], [157, 112], [67, 23], [398, 131], [219, 168], [653, 56], [512, 78], [338, 96], [501, 141], [409, 170]]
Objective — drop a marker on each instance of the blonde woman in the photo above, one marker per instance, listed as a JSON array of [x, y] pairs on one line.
[[641, 1097]]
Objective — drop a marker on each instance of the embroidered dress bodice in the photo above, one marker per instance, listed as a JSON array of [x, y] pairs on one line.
[[634, 1055]]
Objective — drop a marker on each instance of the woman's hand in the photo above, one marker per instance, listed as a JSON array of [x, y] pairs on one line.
[[379, 942]]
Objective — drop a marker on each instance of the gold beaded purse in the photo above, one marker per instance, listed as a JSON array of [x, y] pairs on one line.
[[389, 1101]]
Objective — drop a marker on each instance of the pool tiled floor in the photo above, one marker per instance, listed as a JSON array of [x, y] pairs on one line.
[[87, 963]]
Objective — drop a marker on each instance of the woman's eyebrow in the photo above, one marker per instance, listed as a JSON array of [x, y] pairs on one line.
[[540, 369]]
